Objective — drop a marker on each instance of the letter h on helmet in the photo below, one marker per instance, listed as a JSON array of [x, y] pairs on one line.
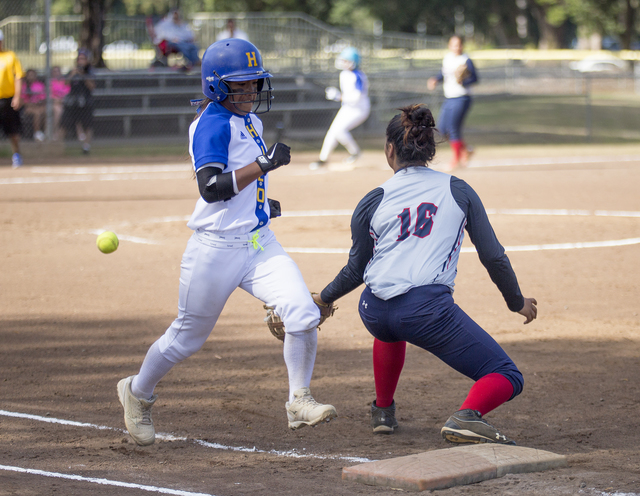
[[235, 60]]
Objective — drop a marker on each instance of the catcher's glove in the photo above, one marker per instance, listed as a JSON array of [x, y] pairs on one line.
[[274, 323], [462, 72]]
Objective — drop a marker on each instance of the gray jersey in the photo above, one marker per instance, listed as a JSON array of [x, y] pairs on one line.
[[417, 229], [408, 232]]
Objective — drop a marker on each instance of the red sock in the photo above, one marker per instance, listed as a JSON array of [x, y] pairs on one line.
[[488, 393], [388, 360], [456, 147]]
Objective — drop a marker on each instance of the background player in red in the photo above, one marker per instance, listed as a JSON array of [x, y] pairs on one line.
[[406, 236]]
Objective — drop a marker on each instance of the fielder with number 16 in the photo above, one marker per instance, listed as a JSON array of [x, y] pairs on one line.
[[406, 236], [232, 245]]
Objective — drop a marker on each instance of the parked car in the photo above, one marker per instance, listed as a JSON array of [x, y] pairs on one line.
[[120, 46], [60, 44], [599, 63]]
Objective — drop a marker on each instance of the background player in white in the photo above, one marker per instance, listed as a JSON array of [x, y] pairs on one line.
[[232, 245], [406, 236], [457, 75], [354, 95], [232, 32]]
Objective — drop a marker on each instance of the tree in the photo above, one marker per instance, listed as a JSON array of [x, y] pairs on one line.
[[600, 17], [91, 37]]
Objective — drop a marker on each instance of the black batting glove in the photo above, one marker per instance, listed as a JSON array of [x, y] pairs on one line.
[[278, 155]]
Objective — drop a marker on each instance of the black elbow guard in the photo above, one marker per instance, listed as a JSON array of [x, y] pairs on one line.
[[214, 186]]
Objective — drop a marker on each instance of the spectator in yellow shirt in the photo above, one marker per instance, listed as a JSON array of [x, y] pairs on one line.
[[10, 102]]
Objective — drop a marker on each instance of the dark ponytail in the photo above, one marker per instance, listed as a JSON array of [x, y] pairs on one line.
[[412, 134]]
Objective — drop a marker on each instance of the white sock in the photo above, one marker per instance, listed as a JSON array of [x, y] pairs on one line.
[[299, 357], [154, 368]]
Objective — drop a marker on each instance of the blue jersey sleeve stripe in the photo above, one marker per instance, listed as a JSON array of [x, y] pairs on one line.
[[359, 84]]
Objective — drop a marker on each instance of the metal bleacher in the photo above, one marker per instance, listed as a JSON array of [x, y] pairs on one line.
[[134, 99], [138, 104]]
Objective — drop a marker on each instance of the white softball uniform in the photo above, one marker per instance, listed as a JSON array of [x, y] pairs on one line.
[[450, 85], [232, 246], [403, 226], [356, 106]]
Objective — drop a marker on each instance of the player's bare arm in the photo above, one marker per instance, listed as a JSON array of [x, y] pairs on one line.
[[214, 185], [16, 101]]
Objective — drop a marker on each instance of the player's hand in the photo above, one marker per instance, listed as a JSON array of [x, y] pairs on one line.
[[16, 103], [432, 83], [278, 155], [529, 310]]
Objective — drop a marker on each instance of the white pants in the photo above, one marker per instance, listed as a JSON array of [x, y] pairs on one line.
[[345, 120], [208, 276]]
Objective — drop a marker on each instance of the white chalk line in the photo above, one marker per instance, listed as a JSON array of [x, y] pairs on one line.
[[553, 161], [171, 437], [104, 482], [126, 237], [111, 169], [177, 171], [490, 211], [84, 179]]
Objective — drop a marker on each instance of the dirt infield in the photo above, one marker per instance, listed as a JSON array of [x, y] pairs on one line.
[[74, 321]]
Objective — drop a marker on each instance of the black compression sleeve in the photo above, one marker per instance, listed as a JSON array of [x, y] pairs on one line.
[[350, 277], [490, 251], [214, 185]]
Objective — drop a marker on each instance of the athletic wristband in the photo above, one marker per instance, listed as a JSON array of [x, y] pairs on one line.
[[235, 183], [265, 164]]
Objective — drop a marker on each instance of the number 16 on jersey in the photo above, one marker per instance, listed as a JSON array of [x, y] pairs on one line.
[[423, 224]]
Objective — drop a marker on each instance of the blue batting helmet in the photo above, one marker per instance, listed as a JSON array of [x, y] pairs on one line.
[[349, 55], [234, 59]]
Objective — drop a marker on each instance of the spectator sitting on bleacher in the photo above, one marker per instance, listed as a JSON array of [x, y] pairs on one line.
[[34, 100], [59, 89], [178, 36], [232, 32]]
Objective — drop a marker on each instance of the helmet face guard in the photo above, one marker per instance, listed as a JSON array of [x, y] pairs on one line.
[[235, 60], [263, 94]]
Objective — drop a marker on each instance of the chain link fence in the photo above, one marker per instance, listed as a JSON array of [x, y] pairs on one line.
[[142, 95]]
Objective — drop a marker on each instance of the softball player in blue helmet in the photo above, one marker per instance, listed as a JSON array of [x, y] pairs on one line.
[[355, 108], [232, 245], [407, 235]]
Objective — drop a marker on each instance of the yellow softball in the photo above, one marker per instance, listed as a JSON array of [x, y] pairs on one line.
[[107, 242]]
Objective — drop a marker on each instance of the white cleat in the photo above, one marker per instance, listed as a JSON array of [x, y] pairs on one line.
[[318, 164], [304, 410], [137, 414]]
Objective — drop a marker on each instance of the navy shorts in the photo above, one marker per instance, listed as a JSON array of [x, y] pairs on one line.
[[427, 317], [9, 118]]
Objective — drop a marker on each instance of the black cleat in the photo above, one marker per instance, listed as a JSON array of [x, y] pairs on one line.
[[468, 426], [383, 420]]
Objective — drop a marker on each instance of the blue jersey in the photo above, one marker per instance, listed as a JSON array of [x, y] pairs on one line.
[[408, 232], [219, 136]]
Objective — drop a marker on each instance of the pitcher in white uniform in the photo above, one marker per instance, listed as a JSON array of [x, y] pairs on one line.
[[355, 109], [457, 75], [232, 245]]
